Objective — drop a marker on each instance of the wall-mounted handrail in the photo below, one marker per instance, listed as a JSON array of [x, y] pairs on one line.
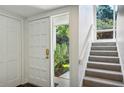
[[85, 50], [86, 41]]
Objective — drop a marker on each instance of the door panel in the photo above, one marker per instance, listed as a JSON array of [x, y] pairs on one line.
[[10, 66], [12, 70], [39, 66], [3, 69]]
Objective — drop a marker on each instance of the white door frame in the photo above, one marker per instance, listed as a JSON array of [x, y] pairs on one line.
[[94, 21], [52, 50]]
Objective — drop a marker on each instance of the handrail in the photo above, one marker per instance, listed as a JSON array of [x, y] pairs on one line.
[[86, 39], [85, 49]]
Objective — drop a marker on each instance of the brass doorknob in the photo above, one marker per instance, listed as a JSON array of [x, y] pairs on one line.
[[47, 53]]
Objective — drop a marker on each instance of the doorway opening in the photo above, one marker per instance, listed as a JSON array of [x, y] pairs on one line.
[[60, 30], [106, 16]]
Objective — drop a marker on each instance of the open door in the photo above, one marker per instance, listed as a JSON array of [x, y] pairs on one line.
[[39, 54], [60, 30]]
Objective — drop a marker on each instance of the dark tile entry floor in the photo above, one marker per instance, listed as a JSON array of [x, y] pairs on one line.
[[31, 85], [27, 85]]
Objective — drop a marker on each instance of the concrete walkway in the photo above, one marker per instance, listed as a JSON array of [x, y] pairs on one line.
[[63, 80]]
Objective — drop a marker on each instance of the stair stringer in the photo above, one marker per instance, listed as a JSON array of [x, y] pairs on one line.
[[121, 63], [84, 60]]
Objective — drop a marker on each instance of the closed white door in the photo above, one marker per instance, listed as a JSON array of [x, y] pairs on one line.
[[10, 66], [39, 45]]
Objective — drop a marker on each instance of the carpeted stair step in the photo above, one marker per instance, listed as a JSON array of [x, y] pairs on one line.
[[103, 44], [104, 66], [104, 74], [98, 82], [109, 59], [103, 53], [105, 48]]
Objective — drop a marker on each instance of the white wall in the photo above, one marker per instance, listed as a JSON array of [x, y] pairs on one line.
[[74, 55], [85, 21], [120, 33]]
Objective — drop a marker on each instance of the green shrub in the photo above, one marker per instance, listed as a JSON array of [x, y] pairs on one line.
[[61, 58], [61, 54], [104, 24]]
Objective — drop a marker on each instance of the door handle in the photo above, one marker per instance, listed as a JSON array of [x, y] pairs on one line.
[[47, 53]]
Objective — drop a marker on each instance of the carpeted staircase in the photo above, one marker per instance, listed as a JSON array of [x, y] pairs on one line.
[[103, 68]]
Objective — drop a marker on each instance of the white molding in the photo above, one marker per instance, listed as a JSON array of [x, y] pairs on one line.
[[22, 50], [60, 14], [52, 53], [10, 15], [23, 53]]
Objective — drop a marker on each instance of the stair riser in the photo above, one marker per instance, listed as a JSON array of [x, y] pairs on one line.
[[103, 44], [88, 83], [104, 48], [105, 67], [104, 53], [102, 59], [105, 75]]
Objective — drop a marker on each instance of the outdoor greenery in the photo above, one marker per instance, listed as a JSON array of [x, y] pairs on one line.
[[104, 17], [61, 56], [104, 12], [104, 24]]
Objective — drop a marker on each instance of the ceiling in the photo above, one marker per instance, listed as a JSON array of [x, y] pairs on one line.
[[28, 10]]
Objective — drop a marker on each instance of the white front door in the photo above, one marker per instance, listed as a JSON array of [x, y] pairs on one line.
[[10, 64], [39, 44]]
